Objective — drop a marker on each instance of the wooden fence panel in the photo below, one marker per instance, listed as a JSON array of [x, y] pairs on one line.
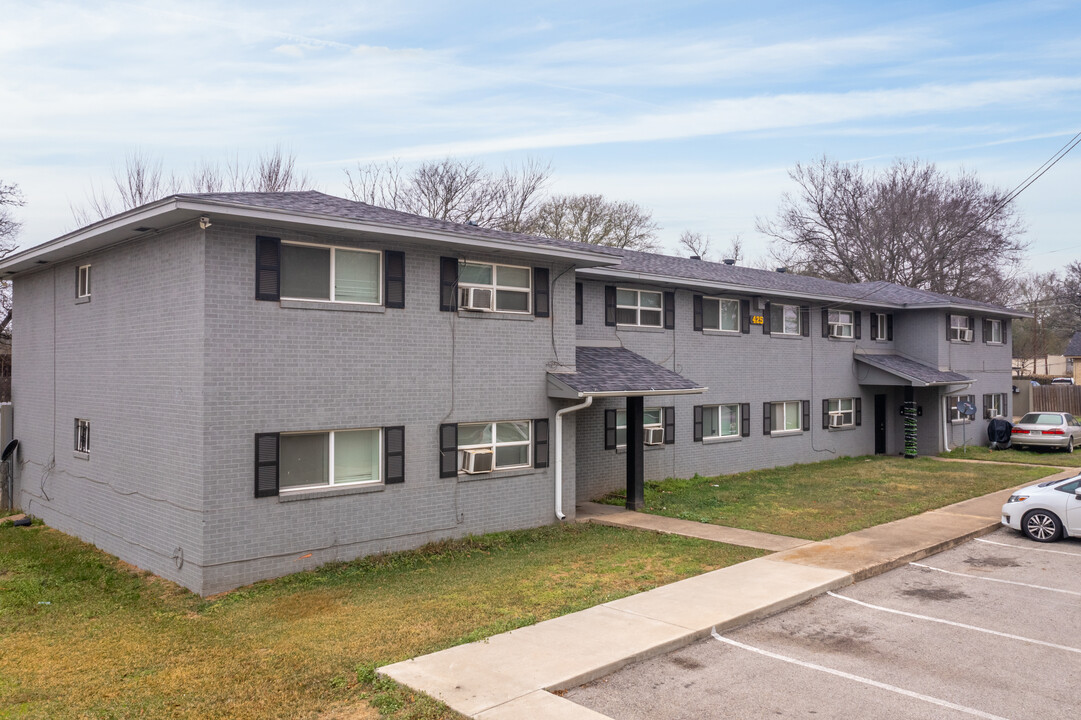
[[1057, 398]]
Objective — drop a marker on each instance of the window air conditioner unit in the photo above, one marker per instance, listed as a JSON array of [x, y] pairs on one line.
[[836, 420], [474, 298], [654, 436], [477, 461], [837, 330], [966, 335]]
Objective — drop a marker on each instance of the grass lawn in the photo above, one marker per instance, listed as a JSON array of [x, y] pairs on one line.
[[1040, 456], [822, 500], [84, 636]]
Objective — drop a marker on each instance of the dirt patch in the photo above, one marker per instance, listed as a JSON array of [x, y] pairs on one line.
[[934, 593], [992, 562], [850, 640], [685, 663]]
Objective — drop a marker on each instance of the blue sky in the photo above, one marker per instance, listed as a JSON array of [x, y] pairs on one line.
[[695, 110]]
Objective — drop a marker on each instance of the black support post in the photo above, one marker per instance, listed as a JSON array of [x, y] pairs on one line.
[[636, 498]]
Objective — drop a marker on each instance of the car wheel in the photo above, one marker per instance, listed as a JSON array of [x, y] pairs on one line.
[[1069, 445], [1041, 526]]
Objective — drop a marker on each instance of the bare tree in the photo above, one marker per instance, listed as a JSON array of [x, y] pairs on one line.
[[695, 243], [911, 224], [1049, 329], [735, 249], [10, 197], [596, 220]]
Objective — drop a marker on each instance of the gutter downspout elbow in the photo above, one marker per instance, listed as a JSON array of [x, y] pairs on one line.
[[559, 451]]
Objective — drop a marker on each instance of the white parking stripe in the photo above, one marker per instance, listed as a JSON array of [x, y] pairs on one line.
[[956, 624], [857, 678], [1007, 582], [1026, 547]]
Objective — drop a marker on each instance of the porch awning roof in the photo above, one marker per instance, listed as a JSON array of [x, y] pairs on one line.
[[616, 371], [899, 370]]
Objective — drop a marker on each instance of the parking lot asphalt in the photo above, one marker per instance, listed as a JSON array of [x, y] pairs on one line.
[[991, 629]]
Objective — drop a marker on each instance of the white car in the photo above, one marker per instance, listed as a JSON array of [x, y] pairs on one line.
[[1046, 512]]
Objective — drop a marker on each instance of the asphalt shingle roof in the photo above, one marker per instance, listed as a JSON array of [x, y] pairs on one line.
[[316, 203], [912, 370], [617, 370], [1073, 349]]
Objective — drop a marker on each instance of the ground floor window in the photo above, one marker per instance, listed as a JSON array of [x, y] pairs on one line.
[[720, 421], [842, 412], [82, 435], [321, 459], [955, 414], [785, 416], [994, 405], [494, 445], [651, 419]]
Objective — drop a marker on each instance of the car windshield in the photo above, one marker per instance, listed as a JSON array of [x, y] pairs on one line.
[[1042, 419]]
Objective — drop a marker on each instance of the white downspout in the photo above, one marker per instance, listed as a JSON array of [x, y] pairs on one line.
[[559, 451], [945, 423]]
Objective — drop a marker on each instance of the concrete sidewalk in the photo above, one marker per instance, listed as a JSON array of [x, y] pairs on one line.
[[509, 675]]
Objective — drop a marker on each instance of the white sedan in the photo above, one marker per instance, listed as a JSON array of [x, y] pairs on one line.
[[1046, 512]]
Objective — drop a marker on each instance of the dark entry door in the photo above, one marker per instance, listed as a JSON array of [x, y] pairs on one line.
[[880, 424]]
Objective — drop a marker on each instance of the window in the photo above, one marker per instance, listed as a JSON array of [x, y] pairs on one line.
[[317, 272], [509, 286], [784, 319], [785, 416], [952, 401], [82, 435], [882, 328], [720, 421], [841, 323], [509, 442], [994, 405], [638, 307], [960, 329], [993, 331], [720, 314], [842, 412], [325, 459], [82, 283], [651, 418]]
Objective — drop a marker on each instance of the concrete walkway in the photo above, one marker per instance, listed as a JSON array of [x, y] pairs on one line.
[[621, 517], [509, 675]]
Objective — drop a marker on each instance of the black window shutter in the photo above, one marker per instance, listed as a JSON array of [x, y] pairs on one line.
[[889, 326], [765, 320], [448, 450], [1005, 329], [825, 322], [859, 411], [394, 278], [857, 331], [266, 464], [609, 429], [766, 407], [697, 423], [541, 302], [697, 309], [448, 291], [986, 331], [669, 425], [745, 419], [805, 320], [669, 311], [540, 443], [578, 292], [874, 326], [986, 407], [949, 333], [394, 454], [825, 414], [745, 316], [806, 415], [268, 263], [972, 326], [609, 304]]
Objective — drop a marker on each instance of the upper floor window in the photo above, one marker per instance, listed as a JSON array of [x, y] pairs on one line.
[[82, 283], [960, 328], [82, 435], [720, 314], [319, 272], [993, 331], [882, 328], [638, 307], [487, 286], [784, 319], [841, 323], [494, 445]]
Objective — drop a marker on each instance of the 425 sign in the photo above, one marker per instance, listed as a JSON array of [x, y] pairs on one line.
[[758, 320]]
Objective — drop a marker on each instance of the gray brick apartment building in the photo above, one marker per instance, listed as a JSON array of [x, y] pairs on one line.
[[228, 387]]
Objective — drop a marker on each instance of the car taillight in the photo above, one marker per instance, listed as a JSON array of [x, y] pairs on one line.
[[1056, 431], [1019, 431]]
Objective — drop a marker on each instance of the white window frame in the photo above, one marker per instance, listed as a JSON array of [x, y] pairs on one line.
[[996, 325], [494, 444], [882, 319], [716, 409], [82, 435], [637, 307], [82, 282], [784, 430], [957, 330], [773, 325], [621, 422], [847, 327], [496, 288], [333, 256], [845, 408], [998, 404], [952, 400], [720, 314], [330, 460]]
